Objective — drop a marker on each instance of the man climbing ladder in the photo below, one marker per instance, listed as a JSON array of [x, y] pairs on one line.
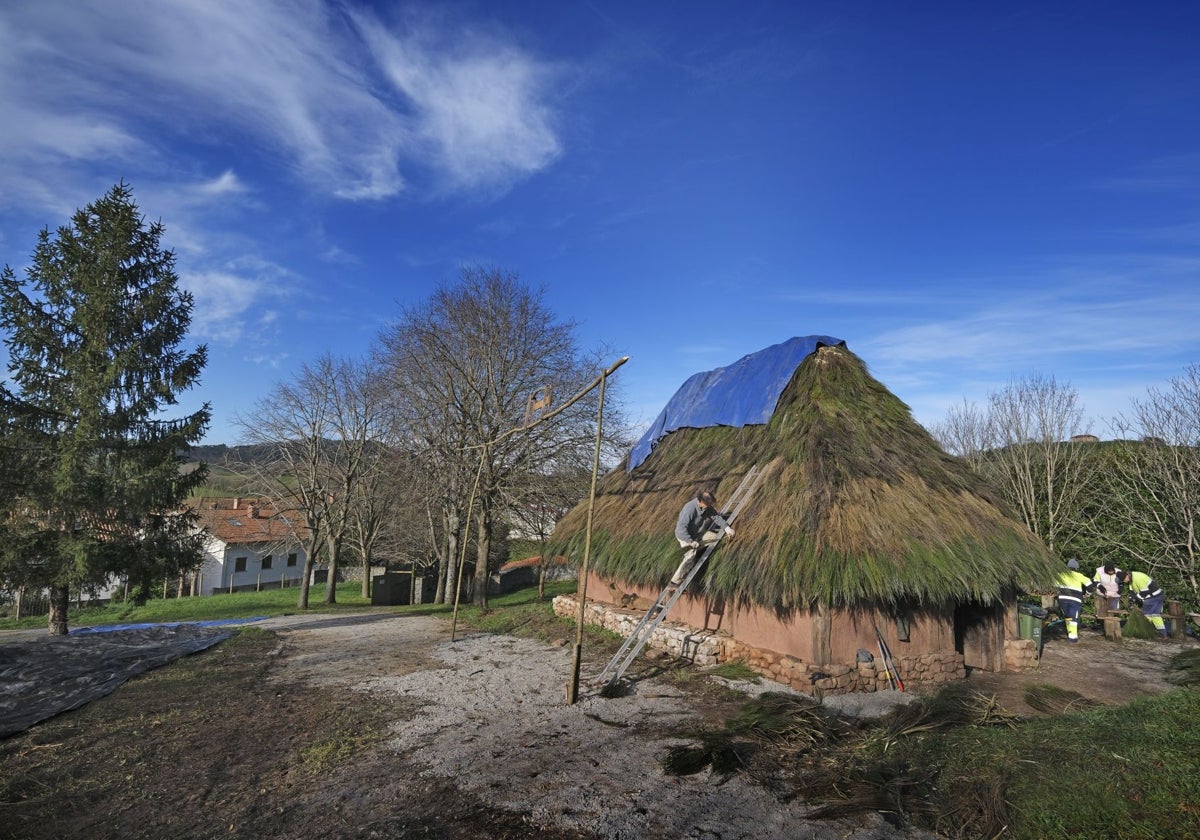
[[698, 525], [699, 554]]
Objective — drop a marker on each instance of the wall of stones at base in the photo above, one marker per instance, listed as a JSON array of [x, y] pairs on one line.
[[707, 648], [1020, 654]]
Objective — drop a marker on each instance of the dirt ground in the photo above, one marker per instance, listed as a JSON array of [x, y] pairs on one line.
[[381, 726], [1110, 673]]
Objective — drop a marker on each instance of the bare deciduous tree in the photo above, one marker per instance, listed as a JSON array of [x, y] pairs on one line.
[[966, 432], [324, 428], [462, 367], [1022, 442], [1041, 469], [1154, 487]]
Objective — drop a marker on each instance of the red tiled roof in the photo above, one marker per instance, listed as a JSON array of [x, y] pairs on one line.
[[239, 520]]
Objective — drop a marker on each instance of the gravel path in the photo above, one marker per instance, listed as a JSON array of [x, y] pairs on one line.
[[495, 720]]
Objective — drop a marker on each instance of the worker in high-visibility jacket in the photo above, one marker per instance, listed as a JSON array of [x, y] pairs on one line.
[[1072, 585], [1149, 596]]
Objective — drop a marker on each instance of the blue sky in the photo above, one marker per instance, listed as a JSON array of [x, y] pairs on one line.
[[965, 193]]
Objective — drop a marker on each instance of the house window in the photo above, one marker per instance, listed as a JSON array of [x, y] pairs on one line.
[[239, 564], [266, 564], [291, 560]]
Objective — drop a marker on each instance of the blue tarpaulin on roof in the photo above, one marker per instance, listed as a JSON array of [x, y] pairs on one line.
[[741, 394]]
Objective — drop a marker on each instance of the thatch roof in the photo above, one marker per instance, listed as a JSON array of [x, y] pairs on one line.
[[858, 507]]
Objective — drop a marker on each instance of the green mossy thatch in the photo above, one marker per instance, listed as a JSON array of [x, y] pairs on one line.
[[858, 507]]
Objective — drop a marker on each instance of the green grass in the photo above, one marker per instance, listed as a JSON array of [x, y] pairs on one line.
[[520, 613], [271, 602], [735, 670], [1131, 771], [506, 613]]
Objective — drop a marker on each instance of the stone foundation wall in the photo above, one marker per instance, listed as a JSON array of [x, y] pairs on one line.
[[708, 647], [1020, 654]]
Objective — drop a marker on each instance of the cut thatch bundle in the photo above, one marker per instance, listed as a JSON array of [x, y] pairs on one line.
[[858, 508]]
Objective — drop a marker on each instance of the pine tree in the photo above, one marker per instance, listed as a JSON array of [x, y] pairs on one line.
[[91, 466]]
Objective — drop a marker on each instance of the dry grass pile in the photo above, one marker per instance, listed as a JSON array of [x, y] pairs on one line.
[[1054, 700], [851, 766], [1185, 668]]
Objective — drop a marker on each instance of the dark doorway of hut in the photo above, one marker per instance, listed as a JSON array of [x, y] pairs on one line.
[[979, 635]]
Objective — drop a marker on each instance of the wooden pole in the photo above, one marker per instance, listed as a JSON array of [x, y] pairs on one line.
[[462, 561], [577, 655], [1178, 622]]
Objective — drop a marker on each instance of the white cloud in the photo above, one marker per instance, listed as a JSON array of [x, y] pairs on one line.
[[1169, 174], [225, 184], [225, 303], [1151, 308], [1110, 331], [479, 103], [85, 81]]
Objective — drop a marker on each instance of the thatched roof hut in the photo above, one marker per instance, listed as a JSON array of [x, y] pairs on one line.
[[859, 511]]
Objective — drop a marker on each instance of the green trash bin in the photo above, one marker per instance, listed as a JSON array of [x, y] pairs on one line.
[[1029, 622]]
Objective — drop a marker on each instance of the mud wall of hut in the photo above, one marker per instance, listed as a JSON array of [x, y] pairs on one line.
[[800, 649]]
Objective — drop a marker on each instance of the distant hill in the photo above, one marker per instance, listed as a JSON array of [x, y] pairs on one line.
[[230, 468], [220, 454], [224, 465]]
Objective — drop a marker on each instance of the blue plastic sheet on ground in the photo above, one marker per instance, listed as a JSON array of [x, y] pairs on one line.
[[212, 622], [741, 394]]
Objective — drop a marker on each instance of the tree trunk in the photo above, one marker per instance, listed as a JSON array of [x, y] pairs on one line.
[[446, 579], [331, 548], [60, 601], [302, 601], [483, 543]]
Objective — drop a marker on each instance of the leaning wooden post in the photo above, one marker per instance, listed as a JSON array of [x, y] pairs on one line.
[[462, 562], [577, 657]]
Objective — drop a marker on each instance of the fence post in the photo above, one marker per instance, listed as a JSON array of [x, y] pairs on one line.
[[1178, 621]]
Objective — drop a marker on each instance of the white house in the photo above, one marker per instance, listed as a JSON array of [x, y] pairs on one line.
[[249, 545]]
